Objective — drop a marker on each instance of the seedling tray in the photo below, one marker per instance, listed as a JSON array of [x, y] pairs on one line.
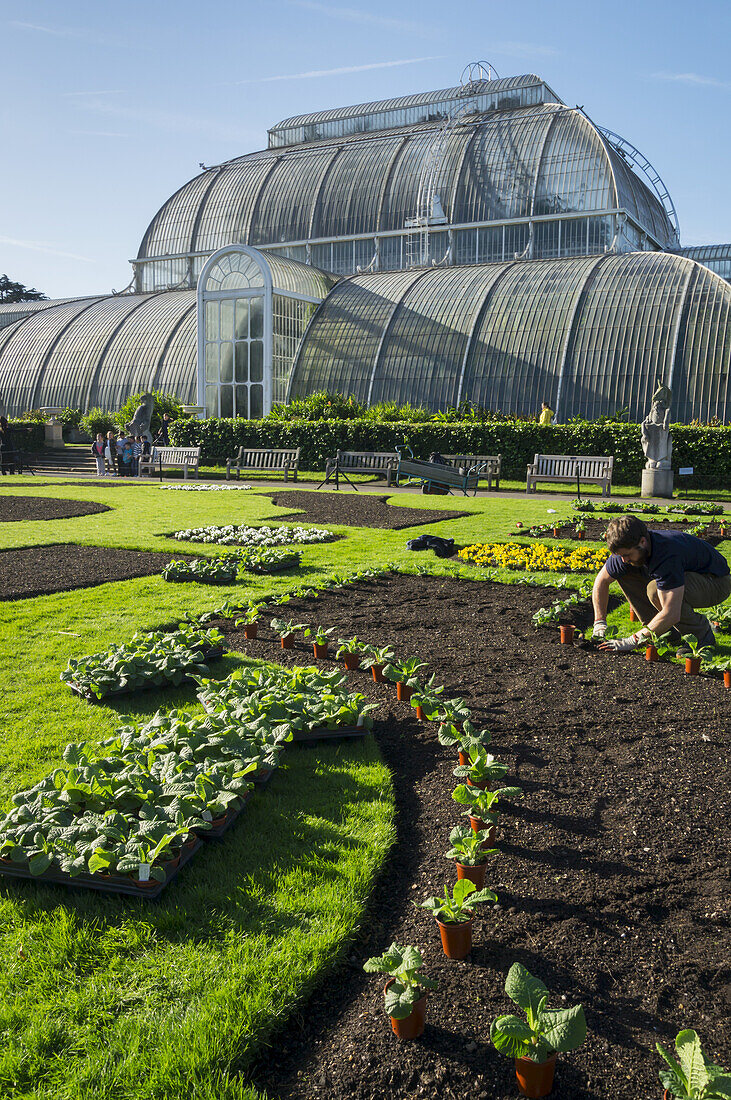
[[322, 733], [206, 655], [231, 819], [114, 884]]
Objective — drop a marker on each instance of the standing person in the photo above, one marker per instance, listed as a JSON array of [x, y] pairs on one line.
[[121, 443], [127, 458], [7, 447], [110, 454], [137, 453], [98, 449], [547, 414], [163, 436], [665, 576]]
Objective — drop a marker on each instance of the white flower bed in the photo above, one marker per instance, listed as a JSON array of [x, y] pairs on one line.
[[205, 488], [233, 535]]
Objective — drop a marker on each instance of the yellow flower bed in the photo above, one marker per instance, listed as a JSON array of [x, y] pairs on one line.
[[536, 558]]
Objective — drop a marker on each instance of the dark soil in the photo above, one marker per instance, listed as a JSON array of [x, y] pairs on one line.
[[355, 510], [595, 529], [14, 509], [611, 879], [38, 570]]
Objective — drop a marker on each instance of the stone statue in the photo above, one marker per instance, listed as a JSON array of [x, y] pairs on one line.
[[656, 439], [143, 417]]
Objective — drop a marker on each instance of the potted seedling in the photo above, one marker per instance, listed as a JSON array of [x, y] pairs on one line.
[[406, 989], [660, 644], [482, 769], [580, 527], [427, 699], [286, 629], [724, 665], [567, 633], [461, 736], [454, 915], [320, 639], [403, 674], [250, 621], [350, 650], [470, 854], [535, 1041], [692, 1075], [375, 659], [699, 653], [482, 805]]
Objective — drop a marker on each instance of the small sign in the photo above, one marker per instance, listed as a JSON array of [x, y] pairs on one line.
[[143, 872], [685, 470]]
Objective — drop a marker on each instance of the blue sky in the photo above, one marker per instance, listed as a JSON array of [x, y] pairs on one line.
[[109, 108]]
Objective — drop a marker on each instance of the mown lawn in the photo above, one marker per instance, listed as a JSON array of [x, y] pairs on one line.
[[109, 998]]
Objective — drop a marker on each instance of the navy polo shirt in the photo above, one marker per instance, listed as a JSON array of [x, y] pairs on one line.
[[672, 555]]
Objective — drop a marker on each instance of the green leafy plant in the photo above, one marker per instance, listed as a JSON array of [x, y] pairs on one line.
[[404, 671], [320, 635], [285, 627], [269, 559], [692, 1075], [403, 965], [251, 615], [203, 570], [467, 846], [462, 736], [482, 768], [428, 696], [455, 908], [349, 645], [544, 1030], [705, 652], [372, 655], [483, 804]]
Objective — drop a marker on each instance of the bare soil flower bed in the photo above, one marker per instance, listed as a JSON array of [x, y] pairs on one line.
[[611, 879], [14, 509], [39, 570], [356, 510], [595, 529]]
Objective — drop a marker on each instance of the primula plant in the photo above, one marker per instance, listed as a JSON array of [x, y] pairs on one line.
[[403, 965], [455, 908], [467, 846], [544, 1030], [233, 535], [691, 1075]]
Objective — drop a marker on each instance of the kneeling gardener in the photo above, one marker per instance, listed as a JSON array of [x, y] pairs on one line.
[[665, 576]]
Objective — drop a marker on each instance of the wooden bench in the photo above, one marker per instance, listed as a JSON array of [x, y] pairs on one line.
[[435, 476], [186, 457], [569, 468], [383, 463], [265, 458], [490, 466]]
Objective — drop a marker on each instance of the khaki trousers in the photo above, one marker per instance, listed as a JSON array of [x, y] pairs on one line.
[[701, 590]]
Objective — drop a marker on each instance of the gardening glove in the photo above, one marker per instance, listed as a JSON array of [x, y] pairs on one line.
[[622, 645], [600, 628]]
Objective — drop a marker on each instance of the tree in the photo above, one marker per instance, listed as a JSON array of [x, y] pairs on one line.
[[16, 292]]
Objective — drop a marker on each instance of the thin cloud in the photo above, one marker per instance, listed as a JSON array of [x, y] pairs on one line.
[[41, 246], [81, 33], [354, 15], [693, 78], [336, 72]]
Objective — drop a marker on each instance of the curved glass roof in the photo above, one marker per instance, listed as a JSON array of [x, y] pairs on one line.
[[511, 164], [95, 352], [589, 335]]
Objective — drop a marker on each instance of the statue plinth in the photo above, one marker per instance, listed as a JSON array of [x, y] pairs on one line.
[[54, 434], [657, 483]]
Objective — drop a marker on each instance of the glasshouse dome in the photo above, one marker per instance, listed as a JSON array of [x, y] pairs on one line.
[[481, 242]]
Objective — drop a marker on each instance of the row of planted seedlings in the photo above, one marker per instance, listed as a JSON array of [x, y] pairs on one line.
[[127, 820], [659, 646]]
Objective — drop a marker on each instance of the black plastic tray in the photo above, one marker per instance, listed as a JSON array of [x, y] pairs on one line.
[[207, 655], [341, 733], [231, 819], [112, 885]]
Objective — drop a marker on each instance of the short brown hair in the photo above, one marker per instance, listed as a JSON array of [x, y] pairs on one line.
[[624, 533]]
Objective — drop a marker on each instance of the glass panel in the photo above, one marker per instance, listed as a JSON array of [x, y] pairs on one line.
[[242, 361], [227, 320], [257, 360], [211, 401], [256, 396], [212, 332], [227, 364], [227, 400], [211, 362], [242, 401], [242, 318], [257, 318]]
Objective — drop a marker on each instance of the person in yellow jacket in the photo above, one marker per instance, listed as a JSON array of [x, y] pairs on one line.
[[547, 414]]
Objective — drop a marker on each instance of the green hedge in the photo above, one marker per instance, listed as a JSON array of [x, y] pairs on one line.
[[29, 435], [706, 449]]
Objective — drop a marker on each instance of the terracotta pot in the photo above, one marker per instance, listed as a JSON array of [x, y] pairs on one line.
[[651, 654], [378, 676], [319, 649], [535, 1078], [351, 661], [579, 535], [171, 864], [727, 679], [411, 1027], [480, 784], [287, 641], [420, 714], [251, 630], [403, 692], [632, 617], [555, 532], [567, 634], [456, 938], [464, 758], [477, 825], [217, 822], [475, 874], [146, 884], [692, 665]]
